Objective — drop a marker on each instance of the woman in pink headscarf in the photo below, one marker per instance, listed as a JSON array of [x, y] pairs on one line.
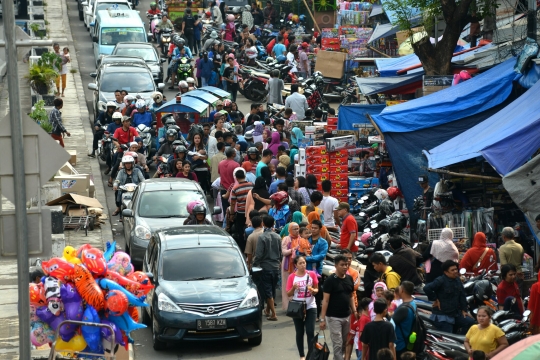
[[378, 293], [275, 143], [438, 252]]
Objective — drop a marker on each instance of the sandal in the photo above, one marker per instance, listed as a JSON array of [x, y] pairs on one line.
[[271, 318], [116, 213], [109, 184]]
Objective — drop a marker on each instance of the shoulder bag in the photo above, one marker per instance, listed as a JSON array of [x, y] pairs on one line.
[[297, 309], [477, 265]]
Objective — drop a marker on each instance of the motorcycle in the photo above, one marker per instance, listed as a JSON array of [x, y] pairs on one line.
[[163, 166], [105, 146], [184, 69], [154, 20], [127, 194], [313, 92], [166, 35], [145, 133]]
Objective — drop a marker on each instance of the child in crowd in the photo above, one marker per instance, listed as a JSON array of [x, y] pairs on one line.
[[378, 293], [358, 326], [268, 24], [378, 334], [392, 304], [305, 233], [478, 355], [385, 354], [408, 355]]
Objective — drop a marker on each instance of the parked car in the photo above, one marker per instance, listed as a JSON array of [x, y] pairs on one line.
[[136, 78], [203, 290], [147, 52], [156, 204]]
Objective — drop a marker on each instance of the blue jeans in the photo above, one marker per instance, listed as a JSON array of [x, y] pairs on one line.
[[461, 322], [359, 354]]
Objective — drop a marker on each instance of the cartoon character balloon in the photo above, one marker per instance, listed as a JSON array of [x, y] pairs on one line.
[[92, 334], [73, 307], [142, 279], [41, 333], [77, 343], [295, 19], [37, 295], [117, 302], [70, 255], [121, 263], [57, 268], [94, 260], [87, 287]]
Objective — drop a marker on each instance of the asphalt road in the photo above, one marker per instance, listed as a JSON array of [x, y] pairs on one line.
[[278, 337]]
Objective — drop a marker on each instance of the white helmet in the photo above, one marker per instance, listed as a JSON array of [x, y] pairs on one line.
[[128, 159], [128, 99], [111, 104], [381, 194], [190, 80], [117, 116], [140, 104], [157, 96], [141, 128], [183, 84]]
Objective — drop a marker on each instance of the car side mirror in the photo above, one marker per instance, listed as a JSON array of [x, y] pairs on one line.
[[127, 213], [92, 86], [216, 211], [93, 75], [162, 60], [94, 39]]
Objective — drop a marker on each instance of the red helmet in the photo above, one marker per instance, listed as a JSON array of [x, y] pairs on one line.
[[393, 192], [208, 13], [280, 198]]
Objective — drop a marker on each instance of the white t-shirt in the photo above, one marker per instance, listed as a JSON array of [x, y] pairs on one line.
[[301, 290], [292, 62], [328, 205]]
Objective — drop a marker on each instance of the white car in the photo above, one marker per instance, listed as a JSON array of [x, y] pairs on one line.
[[91, 7]]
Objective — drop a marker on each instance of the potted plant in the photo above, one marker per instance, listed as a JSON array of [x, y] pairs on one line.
[[43, 73]]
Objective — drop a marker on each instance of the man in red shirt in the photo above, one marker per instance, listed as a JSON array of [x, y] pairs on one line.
[[349, 228], [508, 290], [283, 32], [125, 135], [226, 173]]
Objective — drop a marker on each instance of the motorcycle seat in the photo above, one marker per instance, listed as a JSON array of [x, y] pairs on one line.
[[455, 337], [424, 305], [422, 298], [260, 74]]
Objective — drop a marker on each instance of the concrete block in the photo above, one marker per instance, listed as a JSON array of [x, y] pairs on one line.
[[58, 245]]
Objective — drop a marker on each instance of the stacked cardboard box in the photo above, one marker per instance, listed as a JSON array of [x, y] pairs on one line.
[[339, 170], [317, 163], [300, 168], [315, 133], [331, 124]]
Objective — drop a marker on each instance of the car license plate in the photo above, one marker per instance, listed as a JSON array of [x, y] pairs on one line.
[[210, 324]]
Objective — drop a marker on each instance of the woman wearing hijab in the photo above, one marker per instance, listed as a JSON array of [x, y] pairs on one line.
[[438, 252], [296, 135], [378, 293], [284, 161], [297, 217], [275, 143], [289, 245], [258, 131], [479, 256]]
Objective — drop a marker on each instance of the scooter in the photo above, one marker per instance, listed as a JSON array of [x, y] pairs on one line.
[[154, 20], [165, 40], [184, 69]]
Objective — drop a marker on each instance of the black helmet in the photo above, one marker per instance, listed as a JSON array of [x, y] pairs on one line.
[[386, 206], [384, 226], [253, 150], [199, 209], [482, 291], [395, 228], [172, 132], [418, 204], [175, 127], [181, 149], [177, 142], [178, 40], [170, 121], [400, 218]]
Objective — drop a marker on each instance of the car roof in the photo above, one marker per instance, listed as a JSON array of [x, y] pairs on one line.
[[132, 67], [169, 184], [122, 60], [129, 18], [190, 236], [135, 45]]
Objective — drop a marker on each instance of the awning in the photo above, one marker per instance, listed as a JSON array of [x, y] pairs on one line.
[[216, 91], [187, 104], [383, 30], [204, 96], [457, 102], [379, 85], [376, 10], [390, 67], [356, 114], [506, 140]]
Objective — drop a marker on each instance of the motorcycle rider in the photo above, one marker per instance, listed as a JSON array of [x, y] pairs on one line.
[[167, 146], [140, 158], [142, 116], [129, 100], [175, 53], [158, 102], [164, 24], [199, 216], [119, 99], [111, 129], [153, 9], [128, 175], [191, 83], [123, 136], [183, 87], [104, 119]]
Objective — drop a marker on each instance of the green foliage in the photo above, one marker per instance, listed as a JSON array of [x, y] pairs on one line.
[[34, 27], [39, 114], [51, 60], [42, 74], [46, 125]]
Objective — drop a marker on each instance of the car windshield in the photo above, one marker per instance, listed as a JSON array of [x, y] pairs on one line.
[[171, 203], [105, 6], [132, 82], [147, 54], [112, 36], [202, 263]]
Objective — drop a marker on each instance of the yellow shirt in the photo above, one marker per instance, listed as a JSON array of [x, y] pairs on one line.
[[391, 278], [485, 339]]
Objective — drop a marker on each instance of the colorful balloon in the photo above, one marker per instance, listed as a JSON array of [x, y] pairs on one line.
[[92, 334], [111, 247], [134, 313], [70, 255], [37, 295], [81, 249], [73, 307], [87, 287], [41, 333], [144, 284], [57, 268], [117, 302], [107, 336], [77, 343], [33, 315], [295, 18], [55, 305], [121, 263], [66, 331], [94, 261], [111, 285], [126, 323]]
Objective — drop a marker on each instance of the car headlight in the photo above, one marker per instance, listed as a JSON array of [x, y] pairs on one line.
[[166, 304], [142, 233], [251, 300]]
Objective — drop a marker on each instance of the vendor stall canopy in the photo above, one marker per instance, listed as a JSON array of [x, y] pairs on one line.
[[389, 85], [186, 105], [356, 114], [506, 140]]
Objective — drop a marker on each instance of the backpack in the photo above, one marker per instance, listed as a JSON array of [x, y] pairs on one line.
[[419, 328]]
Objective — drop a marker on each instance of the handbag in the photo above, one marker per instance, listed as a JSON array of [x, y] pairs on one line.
[[297, 309], [318, 351]]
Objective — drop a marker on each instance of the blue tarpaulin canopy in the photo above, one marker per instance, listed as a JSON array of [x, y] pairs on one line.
[[390, 67], [202, 95], [506, 140], [429, 121], [216, 91], [377, 85], [457, 102], [187, 104], [356, 114]]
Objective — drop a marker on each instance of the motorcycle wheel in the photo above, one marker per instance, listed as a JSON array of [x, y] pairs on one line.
[[259, 92]]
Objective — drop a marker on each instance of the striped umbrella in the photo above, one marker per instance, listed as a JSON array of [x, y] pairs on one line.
[[526, 349]]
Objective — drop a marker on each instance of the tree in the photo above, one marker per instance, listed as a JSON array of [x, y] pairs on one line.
[[436, 58]]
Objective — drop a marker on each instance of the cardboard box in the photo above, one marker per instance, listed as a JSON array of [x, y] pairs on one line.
[[343, 185], [339, 161], [315, 151], [302, 156], [317, 169], [73, 158], [74, 199], [317, 160], [321, 177], [67, 169], [331, 63], [359, 183], [338, 177], [92, 189], [339, 169], [301, 124], [299, 170], [338, 143], [74, 184], [341, 154], [341, 193], [318, 143]]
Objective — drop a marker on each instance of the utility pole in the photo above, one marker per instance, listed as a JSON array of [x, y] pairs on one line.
[[531, 19], [21, 229]]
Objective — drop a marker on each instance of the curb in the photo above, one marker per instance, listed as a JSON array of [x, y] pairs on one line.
[[131, 353]]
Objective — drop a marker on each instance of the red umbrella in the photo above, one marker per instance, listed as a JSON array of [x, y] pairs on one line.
[[526, 349]]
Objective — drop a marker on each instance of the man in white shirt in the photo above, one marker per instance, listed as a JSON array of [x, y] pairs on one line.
[[329, 206], [297, 102]]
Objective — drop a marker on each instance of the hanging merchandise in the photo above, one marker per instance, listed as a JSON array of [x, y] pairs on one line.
[[330, 39]]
